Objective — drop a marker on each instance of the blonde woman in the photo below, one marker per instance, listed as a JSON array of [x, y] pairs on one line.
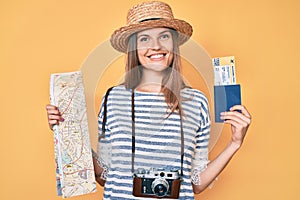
[[156, 129]]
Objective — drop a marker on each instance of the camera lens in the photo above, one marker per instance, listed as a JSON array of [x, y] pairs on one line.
[[160, 187]]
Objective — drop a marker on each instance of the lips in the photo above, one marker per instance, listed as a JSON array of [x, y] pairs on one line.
[[157, 55]]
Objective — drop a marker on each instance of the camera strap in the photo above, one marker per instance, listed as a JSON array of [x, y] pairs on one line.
[[133, 128], [133, 135], [105, 112]]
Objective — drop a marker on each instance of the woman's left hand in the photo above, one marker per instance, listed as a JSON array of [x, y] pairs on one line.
[[240, 122]]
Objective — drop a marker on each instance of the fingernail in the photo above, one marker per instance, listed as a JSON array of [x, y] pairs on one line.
[[222, 113], [62, 119]]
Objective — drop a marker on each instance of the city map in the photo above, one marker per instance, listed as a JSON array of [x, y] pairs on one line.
[[73, 156]]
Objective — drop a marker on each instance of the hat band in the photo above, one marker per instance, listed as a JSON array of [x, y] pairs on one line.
[[144, 20]]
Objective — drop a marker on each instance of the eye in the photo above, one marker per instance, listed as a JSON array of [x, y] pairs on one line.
[[144, 39], [165, 36]]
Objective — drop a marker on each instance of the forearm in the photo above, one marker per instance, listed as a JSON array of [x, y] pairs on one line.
[[98, 169], [215, 167], [98, 172]]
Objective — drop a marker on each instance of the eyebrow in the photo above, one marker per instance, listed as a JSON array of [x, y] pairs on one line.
[[166, 31]]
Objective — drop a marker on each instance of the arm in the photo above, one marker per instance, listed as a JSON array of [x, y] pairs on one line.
[[98, 170], [102, 158], [239, 125]]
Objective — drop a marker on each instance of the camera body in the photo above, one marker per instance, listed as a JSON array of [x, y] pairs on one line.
[[156, 183]]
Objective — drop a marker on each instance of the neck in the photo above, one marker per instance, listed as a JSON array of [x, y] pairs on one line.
[[151, 81]]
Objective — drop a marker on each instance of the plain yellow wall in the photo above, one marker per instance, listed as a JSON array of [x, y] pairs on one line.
[[42, 37]]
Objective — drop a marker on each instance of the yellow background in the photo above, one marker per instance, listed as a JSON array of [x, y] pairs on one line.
[[42, 37]]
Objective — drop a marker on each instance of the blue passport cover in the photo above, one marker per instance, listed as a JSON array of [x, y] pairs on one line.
[[226, 96]]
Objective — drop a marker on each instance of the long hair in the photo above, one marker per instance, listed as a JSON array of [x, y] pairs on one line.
[[172, 82]]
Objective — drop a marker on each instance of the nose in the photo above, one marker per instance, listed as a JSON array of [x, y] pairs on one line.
[[155, 44]]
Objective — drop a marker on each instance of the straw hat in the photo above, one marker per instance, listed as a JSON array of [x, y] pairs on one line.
[[149, 15]]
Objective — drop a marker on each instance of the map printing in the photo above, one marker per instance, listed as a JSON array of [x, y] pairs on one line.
[[73, 157]]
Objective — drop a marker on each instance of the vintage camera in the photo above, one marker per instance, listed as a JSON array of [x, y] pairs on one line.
[[156, 183]]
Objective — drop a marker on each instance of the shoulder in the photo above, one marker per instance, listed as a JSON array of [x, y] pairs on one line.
[[118, 91], [119, 88], [198, 100], [194, 95], [115, 93]]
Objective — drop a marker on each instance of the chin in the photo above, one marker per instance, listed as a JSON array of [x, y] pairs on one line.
[[158, 67]]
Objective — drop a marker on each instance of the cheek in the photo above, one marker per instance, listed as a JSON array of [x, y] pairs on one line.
[[141, 57], [141, 54]]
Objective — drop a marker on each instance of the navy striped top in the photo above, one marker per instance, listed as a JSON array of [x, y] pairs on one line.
[[157, 139]]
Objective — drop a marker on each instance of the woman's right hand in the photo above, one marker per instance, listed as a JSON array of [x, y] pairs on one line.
[[54, 116]]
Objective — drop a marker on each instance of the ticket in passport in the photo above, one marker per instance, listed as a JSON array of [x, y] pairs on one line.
[[224, 70], [226, 92]]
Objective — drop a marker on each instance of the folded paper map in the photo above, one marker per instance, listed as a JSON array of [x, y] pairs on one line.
[[73, 156]]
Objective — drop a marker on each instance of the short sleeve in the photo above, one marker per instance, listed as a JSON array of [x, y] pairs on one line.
[[200, 159], [104, 145]]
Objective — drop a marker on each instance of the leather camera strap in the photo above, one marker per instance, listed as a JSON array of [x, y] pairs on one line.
[[105, 112]]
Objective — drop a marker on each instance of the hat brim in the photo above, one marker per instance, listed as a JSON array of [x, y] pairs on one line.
[[119, 39]]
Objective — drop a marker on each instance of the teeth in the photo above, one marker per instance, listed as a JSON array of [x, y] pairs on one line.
[[157, 56]]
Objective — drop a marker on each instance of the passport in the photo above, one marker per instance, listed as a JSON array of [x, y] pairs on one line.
[[226, 96]]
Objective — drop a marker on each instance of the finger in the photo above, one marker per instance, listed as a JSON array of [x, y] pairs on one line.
[[53, 112], [242, 108], [234, 117], [53, 122], [51, 107], [55, 117], [232, 122], [240, 117]]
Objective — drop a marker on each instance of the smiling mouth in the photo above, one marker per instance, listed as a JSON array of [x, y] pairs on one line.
[[157, 56]]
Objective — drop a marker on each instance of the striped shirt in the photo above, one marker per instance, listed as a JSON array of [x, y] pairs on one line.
[[157, 139]]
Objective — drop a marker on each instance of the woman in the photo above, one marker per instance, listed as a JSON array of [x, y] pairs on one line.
[[153, 120]]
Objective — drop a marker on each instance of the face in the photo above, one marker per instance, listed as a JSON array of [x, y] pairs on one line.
[[155, 48]]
